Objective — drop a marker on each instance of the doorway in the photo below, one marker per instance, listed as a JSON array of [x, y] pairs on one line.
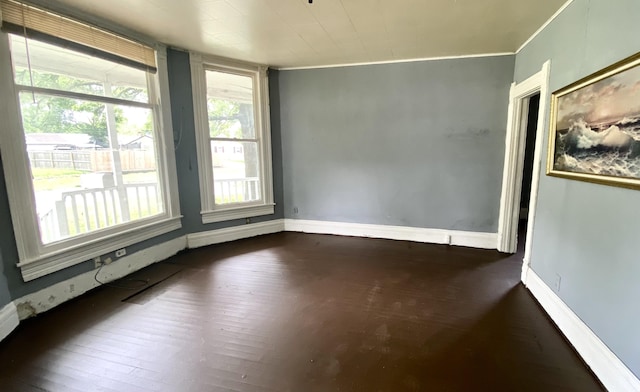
[[533, 106], [522, 163]]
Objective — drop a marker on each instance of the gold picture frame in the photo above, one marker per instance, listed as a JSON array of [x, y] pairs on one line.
[[594, 127]]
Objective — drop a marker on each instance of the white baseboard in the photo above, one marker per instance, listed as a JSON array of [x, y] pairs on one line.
[[613, 374], [8, 320], [211, 237], [472, 239], [52, 296], [402, 233]]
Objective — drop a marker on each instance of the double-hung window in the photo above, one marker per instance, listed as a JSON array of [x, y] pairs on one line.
[[84, 139], [231, 112]]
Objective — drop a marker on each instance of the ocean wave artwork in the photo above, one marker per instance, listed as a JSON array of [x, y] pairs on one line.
[[614, 151], [597, 126]]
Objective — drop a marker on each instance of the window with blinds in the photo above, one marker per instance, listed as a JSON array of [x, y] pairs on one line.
[[85, 141]]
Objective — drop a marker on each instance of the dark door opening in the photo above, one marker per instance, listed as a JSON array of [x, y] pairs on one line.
[[527, 171]]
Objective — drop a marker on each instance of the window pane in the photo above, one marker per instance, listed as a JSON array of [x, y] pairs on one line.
[[62, 69], [81, 183], [230, 105], [236, 172]]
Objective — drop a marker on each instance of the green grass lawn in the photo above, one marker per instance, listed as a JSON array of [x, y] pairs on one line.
[[45, 179], [39, 172]]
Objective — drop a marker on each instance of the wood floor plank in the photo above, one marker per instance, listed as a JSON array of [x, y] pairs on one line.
[[302, 312]]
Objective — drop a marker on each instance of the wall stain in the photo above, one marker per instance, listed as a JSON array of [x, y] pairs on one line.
[[470, 133]]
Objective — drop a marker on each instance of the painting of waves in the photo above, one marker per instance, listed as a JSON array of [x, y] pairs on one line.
[[597, 128]]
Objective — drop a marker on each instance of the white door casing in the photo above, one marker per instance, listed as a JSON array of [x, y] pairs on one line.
[[514, 161]]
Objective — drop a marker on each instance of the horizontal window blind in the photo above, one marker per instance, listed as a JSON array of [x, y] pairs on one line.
[[17, 16]]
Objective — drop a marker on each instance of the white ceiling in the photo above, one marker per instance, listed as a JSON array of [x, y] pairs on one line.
[[293, 33]]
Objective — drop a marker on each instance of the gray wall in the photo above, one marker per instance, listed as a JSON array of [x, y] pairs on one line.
[[12, 285], [5, 295], [588, 234], [6, 238], [417, 144]]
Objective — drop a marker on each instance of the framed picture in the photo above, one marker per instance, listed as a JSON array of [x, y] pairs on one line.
[[595, 127]]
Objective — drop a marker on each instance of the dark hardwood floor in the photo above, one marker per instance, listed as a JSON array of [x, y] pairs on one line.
[[301, 312]]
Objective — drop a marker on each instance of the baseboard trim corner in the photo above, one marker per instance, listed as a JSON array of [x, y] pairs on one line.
[[35, 303], [471, 239], [211, 237], [611, 371], [401, 233], [8, 320]]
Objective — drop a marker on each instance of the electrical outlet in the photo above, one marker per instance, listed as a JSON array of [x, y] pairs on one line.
[[121, 252], [295, 210], [97, 262], [107, 261]]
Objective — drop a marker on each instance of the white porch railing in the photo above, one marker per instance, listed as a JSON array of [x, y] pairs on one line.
[[234, 190], [86, 210], [48, 226]]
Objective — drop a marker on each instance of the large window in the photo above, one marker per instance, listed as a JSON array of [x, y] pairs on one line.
[[232, 127], [83, 150]]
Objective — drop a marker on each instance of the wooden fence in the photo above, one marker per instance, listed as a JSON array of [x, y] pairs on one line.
[[93, 160]]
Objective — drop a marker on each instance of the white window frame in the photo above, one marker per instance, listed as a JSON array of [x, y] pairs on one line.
[[209, 210], [37, 259]]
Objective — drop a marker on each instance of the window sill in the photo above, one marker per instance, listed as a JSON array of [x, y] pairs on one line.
[[52, 262], [237, 213]]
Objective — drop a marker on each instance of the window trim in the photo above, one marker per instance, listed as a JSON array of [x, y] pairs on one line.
[[209, 210], [37, 259]]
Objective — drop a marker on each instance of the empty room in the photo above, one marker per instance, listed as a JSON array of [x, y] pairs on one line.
[[319, 195]]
